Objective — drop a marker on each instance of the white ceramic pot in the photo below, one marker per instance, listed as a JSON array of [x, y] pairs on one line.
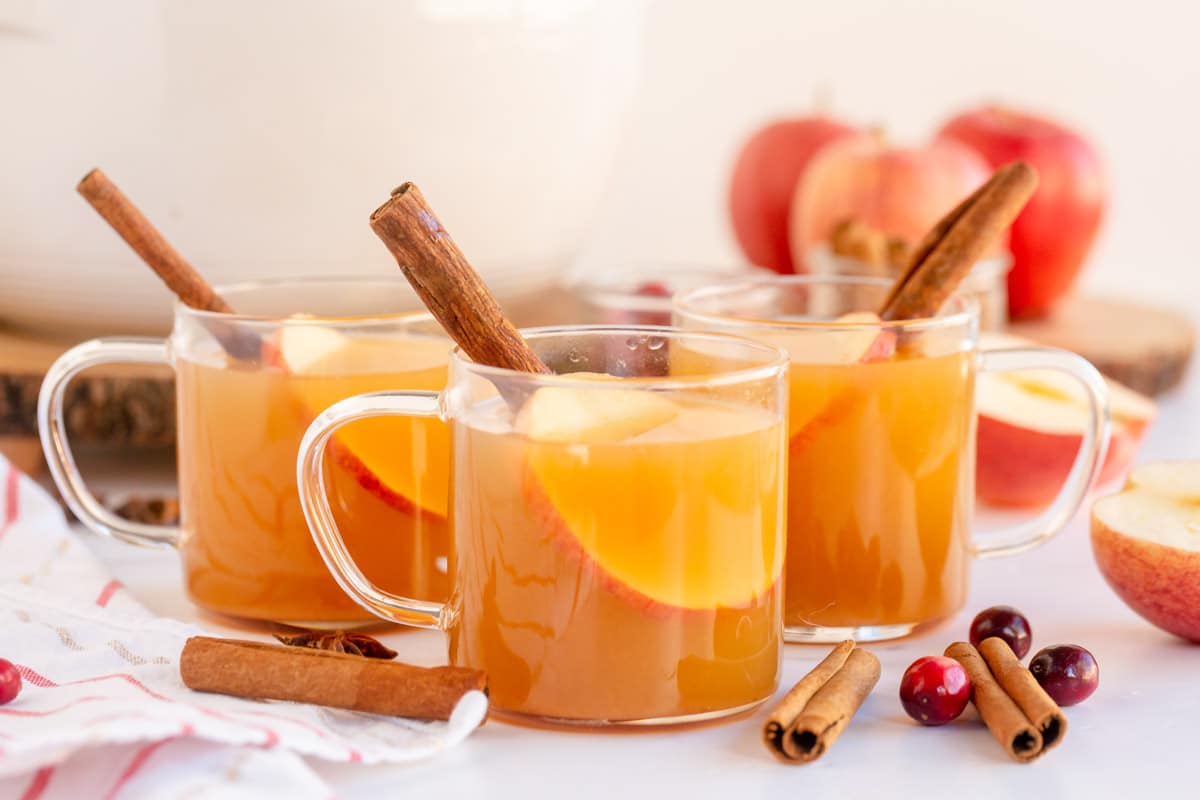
[[259, 137]]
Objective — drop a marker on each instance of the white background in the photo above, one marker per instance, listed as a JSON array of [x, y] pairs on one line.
[[1127, 74]]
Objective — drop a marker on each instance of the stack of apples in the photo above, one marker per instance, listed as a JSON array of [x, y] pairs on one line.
[[796, 179]]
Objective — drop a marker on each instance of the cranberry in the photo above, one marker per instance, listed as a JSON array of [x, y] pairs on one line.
[[934, 690], [10, 681], [1068, 673], [1006, 623], [653, 289]]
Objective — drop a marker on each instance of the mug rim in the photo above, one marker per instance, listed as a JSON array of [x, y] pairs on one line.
[[776, 365], [400, 317], [683, 304]]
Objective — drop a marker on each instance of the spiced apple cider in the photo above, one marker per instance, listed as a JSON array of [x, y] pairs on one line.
[[617, 524], [245, 546]]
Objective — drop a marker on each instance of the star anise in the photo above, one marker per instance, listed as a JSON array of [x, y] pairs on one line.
[[356, 644]]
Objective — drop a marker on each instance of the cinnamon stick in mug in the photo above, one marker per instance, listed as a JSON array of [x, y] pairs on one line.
[[321, 677], [184, 280], [447, 284], [813, 714], [947, 252], [140, 234]]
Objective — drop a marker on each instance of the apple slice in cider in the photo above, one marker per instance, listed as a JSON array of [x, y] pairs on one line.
[[387, 457], [605, 473]]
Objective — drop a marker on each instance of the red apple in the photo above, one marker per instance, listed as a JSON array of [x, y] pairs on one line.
[[764, 180], [900, 191], [1146, 540], [1030, 426], [1052, 235]]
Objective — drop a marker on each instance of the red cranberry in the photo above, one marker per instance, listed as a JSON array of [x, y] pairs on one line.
[[10, 681], [653, 289], [1006, 623], [1068, 673], [934, 690]]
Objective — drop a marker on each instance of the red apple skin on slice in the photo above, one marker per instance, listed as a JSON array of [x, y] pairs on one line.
[[592, 574], [343, 458], [1162, 584]]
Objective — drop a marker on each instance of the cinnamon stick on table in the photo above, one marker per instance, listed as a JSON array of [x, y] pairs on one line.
[[321, 677], [1019, 737], [1019, 684], [813, 714], [947, 252]]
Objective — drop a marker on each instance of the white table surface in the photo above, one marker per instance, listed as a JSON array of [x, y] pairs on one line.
[[1138, 736]]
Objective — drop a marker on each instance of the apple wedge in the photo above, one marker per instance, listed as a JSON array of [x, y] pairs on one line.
[[604, 472], [1146, 540], [1031, 424], [326, 366], [582, 415], [862, 341]]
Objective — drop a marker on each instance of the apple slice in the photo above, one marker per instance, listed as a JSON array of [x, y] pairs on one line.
[[863, 341], [1146, 540], [606, 491], [583, 415], [327, 366], [1031, 424], [860, 340]]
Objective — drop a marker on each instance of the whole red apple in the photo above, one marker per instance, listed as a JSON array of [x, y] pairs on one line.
[[901, 191], [1051, 237], [764, 179]]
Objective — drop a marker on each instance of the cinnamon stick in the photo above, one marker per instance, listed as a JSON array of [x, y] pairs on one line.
[[946, 254], [813, 714], [1018, 682], [338, 680], [138, 232], [793, 703], [447, 284], [175, 271], [1003, 717]]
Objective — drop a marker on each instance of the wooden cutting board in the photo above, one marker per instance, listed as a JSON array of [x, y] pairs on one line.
[[120, 405], [1144, 347]]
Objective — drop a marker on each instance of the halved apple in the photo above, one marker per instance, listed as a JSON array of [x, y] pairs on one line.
[[1179, 480], [1146, 540], [327, 366], [607, 470], [1031, 424]]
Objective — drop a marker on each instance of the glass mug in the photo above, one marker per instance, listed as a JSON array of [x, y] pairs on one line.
[[247, 386], [881, 450], [618, 545]]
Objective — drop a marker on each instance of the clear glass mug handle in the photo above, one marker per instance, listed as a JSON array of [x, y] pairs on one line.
[[310, 480], [1088, 460], [53, 433]]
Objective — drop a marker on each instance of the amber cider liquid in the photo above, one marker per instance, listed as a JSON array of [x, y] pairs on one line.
[[246, 549], [880, 487], [621, 581]]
